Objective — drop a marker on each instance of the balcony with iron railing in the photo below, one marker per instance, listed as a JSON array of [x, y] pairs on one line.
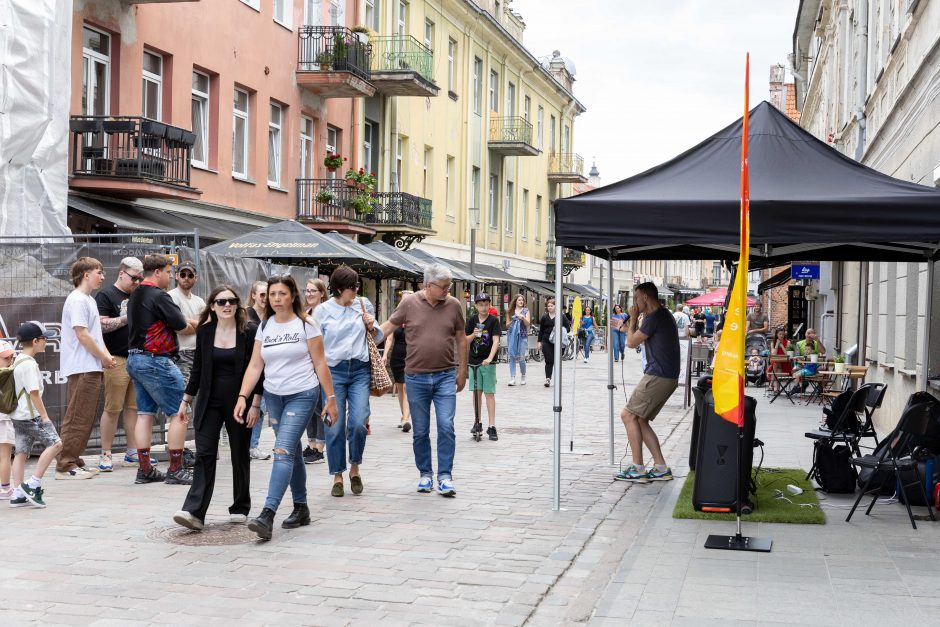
[[570, 259], [331, 204], [511, 136], [566, 167], [130, 156], [333, 62], [402, 66]]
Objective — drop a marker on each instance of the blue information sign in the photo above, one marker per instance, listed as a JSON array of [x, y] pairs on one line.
[[804, 270]]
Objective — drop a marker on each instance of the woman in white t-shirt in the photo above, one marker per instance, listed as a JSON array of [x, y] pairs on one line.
[[289, 350]]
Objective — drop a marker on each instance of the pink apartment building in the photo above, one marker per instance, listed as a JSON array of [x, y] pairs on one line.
[[213, 107]]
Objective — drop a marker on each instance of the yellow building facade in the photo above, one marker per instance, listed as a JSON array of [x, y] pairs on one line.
[[497, 137]]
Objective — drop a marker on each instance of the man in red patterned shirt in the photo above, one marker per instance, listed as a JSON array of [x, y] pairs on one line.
[[153, 320]]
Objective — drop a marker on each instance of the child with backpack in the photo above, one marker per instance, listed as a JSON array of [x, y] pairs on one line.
[[31, 422], [7, 435]]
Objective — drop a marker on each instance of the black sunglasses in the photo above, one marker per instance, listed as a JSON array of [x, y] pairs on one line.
[[136, 278], [187, 275], [222, 302]]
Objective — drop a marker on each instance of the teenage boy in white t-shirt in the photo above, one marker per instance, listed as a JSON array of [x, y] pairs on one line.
[[82, 360], [30, 420]]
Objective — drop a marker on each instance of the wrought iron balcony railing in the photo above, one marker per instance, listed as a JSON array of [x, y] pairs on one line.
[[402, 54], [569, 257], [326, 200], [130, 147], [400, 208], [565, 164], [510, 129], [332, 49]]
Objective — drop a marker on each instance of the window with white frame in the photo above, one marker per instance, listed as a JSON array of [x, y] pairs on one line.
[[527, 108], [371, 15], [451, 61], [448, 186], [494, 90], [96, 72], [493, 213], [282, 12], [402, 18], [524, 215], [477, 85], [240, 145], [566, 140], [334, 12], [399, 161], [551, 134], [367, 130], [332, 141], [509, 209], [538, 218], [274, 144], [200, 119], [306, 148], [152, 98], [426, 172], [539, 123], [511, 100], [429, 34]]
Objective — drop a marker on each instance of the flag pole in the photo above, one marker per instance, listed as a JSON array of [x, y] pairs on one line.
[[728, 381]]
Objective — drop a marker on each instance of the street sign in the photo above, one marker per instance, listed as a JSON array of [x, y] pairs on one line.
[[804, 270]]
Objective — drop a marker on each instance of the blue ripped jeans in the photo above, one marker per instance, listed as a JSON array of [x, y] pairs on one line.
[[288, 415], [351, 379]]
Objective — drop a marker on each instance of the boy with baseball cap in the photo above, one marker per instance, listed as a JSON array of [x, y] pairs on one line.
[[483, 332], [31, 422]]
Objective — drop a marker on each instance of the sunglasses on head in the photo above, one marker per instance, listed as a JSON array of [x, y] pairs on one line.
[[186, 274], [222, 302], [278, 277]]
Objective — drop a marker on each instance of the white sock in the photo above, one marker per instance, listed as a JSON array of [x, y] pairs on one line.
[[131, 452], [18, 493], [660, 468], [34, 482]]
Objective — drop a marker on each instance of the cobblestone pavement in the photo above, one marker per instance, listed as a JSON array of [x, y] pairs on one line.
[[106, 551]]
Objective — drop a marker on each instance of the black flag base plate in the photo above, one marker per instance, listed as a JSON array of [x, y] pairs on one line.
[[739, 543]]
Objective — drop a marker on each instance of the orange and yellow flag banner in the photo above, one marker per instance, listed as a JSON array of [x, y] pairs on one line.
[[728, 382]]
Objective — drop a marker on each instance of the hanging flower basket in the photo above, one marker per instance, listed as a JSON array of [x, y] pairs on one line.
[[333, 161]]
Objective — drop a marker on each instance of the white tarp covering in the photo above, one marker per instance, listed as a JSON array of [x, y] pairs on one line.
[[35, 89]]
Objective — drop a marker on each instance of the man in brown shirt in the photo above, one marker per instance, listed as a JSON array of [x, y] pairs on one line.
[[435, 370]]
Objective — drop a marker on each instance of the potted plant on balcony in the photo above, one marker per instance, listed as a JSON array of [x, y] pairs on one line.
[[839, 363], [362, 33], [352, 178], [362, 203], [325, 196], [333, 161]]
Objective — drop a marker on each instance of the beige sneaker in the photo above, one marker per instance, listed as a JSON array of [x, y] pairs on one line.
[[75, 473]]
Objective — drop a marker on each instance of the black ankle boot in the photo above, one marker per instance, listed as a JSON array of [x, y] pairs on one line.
[[298, 518], [263, 524]]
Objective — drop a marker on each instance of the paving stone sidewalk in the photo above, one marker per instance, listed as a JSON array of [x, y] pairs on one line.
[[105, 551]]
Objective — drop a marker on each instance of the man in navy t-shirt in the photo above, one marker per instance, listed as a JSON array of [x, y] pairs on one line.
[[660, 337]]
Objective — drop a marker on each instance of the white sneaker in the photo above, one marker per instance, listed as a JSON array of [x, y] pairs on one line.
[[257, 453], [104, 462], [237, 518], [512, 383], [75, 473], [548, 382], [585, 360], [523, 381], [185, 519]]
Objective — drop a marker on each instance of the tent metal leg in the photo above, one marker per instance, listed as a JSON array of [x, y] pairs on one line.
[[928, 314], [610, 355], [556, 446]]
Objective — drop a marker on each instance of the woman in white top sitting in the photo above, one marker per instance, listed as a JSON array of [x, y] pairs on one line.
[[344, 320], [289, 351]]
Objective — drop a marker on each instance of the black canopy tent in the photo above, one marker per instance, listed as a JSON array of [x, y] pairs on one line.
[[807, 200]]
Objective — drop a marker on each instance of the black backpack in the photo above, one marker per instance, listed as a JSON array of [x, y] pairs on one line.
[[852, 424], [834, 473]]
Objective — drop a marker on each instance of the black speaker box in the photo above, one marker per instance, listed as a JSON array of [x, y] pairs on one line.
[[717, 459]]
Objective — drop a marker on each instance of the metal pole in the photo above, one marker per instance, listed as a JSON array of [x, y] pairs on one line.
[[196, 249], [863, 311], [927, 322], [556, 446], [610, 354], [473, 258]]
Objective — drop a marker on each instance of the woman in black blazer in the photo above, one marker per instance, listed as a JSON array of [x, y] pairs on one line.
[[224, 341]]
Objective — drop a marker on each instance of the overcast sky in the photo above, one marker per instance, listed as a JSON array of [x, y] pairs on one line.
[[658, 77]]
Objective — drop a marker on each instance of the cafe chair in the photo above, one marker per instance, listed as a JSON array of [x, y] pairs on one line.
[[896, 457], [781, 379]]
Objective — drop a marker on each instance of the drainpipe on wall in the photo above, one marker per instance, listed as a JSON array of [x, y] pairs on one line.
[[862, 121]]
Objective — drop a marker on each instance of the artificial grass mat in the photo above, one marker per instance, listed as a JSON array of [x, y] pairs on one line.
[[766, 507]]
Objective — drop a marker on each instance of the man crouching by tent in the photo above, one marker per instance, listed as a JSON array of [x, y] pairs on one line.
[[660, 379]]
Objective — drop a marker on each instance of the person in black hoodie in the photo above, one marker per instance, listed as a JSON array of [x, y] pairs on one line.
[[224, 341], [546, 339]]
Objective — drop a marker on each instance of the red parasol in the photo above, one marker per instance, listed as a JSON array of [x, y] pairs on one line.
[[715, 298]]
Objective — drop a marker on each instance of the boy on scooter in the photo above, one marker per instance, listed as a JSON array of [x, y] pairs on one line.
[[483, 333]]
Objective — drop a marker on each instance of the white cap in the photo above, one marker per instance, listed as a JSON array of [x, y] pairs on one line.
[[6, 349]]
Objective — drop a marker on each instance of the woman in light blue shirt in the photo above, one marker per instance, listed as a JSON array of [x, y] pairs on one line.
[[343, 320]]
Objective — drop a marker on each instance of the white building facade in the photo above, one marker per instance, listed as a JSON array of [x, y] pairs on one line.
[[868, 81]]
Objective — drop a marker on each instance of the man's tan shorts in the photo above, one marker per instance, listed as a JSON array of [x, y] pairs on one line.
[[119, 388], [650, 395]]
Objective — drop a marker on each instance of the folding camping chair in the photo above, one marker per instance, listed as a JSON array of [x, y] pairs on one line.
[[876, 396], [846, 428], [782, 380], [897, 457]]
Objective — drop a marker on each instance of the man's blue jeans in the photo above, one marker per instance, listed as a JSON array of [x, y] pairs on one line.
[[288, 415], [439, 388], [620, 342], [351, 379]]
